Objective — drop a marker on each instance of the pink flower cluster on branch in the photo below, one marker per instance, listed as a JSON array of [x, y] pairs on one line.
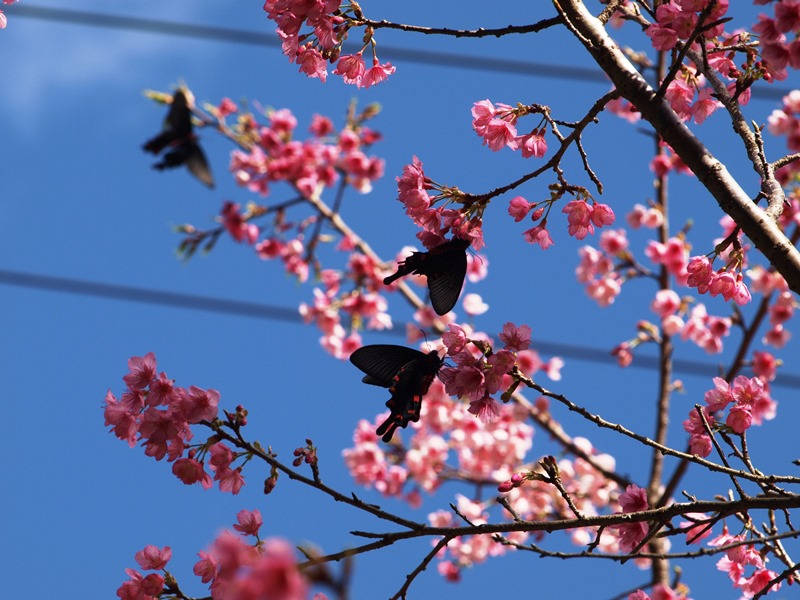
[[321, 44], [310, 165], [497, 125], [158, 414], [750, 402], [233, 568], [435, 222]]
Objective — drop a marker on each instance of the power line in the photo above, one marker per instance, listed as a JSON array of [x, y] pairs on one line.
[[282, 313], [242, 36]]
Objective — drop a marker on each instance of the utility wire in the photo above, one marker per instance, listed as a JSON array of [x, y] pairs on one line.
[[241, 36], [282, 313]]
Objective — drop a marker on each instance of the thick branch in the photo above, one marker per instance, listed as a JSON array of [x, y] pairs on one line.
[[461, 33], [762, 230]]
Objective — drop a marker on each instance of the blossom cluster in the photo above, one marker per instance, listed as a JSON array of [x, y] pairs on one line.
[[233, 568], [582, 218], [689, 93], [738, 558], [497, 125], [322, 42], [309, 165], [633, 499], [435, 222], [604, 270], [158, 414], [751, 404], [533, 497]]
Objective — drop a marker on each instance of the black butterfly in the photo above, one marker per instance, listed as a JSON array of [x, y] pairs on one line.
[[408, 374], [177, 135], [445, 266]]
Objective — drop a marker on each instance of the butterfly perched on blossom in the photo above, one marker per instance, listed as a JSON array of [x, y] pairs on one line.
[[408, 374], [445, 266], [179, 140]]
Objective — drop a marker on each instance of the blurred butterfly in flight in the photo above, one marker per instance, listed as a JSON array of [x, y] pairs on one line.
[[408, 374], [445, 266], [180, 141]]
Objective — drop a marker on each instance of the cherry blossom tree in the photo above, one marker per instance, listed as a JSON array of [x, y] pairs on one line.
[[473, 419]]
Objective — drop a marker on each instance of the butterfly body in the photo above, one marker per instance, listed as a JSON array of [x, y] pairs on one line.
[[408, 374], [178, 139], [445, 267]]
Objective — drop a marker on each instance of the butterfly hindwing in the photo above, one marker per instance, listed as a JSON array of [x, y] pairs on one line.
[[444, 284], [408, 384], [198, 165]]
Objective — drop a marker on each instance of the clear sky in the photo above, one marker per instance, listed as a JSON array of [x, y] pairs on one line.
[[80, 201]]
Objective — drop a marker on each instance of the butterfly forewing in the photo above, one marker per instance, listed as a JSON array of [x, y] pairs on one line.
[[382, 362]]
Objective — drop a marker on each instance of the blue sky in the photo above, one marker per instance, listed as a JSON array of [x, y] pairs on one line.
[[80, 201]]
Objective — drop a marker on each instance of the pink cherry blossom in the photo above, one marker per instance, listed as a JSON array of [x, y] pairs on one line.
[[787, 15], [663, 38], [666, 302], [705, 105], [633, 499], [482, 114], [474, 304], [579, 214], [249, 522], [498, 134], [533, 144], [142, 371], [351, 68], [152, 558], [700, 444], [519, 208], [765, 365], [602, 215], [376, 74], [516, 338], [720, 396], [486, 409], [539, 235], [701, 273], [141, 588], [190, 471], [613, 241], [312, 63], [604, 290]]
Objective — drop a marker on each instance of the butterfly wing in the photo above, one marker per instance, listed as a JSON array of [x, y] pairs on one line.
[[198, 165], [177, 125], [446, 277], [179, 117], [382, 362], [410, 385]]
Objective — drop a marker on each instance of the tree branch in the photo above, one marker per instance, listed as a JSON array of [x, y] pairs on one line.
[[759, 226]]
